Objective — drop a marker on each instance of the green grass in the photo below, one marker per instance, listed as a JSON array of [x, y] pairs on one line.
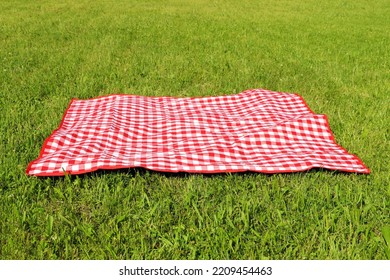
[[334, 53]]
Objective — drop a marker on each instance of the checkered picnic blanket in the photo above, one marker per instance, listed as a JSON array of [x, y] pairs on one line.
[[257, 130]]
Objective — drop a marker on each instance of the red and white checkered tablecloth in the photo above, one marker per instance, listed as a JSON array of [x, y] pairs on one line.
[[257, 130]]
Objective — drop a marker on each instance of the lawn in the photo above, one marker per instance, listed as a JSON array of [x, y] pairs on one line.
[[335, 54]]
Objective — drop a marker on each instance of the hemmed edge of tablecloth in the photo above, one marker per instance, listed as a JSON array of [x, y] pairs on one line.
[[48, 139]]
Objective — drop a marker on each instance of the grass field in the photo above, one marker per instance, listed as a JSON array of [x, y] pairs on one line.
[[336, 54]]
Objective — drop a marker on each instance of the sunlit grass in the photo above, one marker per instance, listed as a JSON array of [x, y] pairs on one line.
[[335, 55]]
